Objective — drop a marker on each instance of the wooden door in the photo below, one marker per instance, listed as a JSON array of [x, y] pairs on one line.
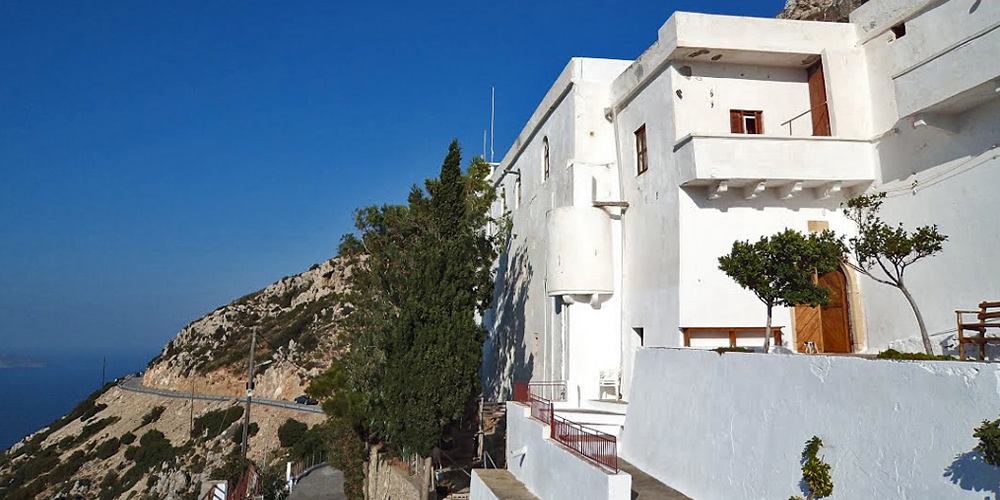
[[817, 100], [808, 327], [827, 326], [836, 330]]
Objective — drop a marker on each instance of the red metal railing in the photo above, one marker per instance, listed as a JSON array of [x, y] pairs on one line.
[[591, 443], [552, 390], [597, 446], [541, 410]]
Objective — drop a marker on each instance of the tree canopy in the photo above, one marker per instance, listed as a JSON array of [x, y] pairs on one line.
[[883, 253], [780, 269], [419, 275]]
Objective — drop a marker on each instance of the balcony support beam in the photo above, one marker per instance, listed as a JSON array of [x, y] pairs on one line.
[[828, 190], [753, 190], [717, 189], [944, 123], [789, 190]]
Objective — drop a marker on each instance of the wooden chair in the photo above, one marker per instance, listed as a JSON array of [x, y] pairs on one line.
[[987, 318]]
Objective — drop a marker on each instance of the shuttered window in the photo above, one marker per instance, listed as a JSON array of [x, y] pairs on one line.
[[641, 159], [746, 122]]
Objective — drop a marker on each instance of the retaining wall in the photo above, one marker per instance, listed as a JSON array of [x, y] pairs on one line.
[[733, 426], [551, 471]]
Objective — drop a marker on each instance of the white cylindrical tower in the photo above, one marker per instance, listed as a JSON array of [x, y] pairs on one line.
[[578, 256]]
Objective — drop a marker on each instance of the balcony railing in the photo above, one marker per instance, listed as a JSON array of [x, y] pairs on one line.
[[552, 390], [594, 445], [811, 123]]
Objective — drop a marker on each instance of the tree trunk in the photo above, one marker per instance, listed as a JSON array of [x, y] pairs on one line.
[[767, 331], [920, 319]]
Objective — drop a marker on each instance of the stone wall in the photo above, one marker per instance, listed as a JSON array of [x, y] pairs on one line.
[[386, 481]]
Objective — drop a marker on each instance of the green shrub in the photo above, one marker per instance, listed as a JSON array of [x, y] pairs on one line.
[[211, 424], [128, 438], [251, 432], [915, 356], [66, 469], [152, 416], [108, 448], [988, 435], [291, 432], [815, 472], [95, 427]]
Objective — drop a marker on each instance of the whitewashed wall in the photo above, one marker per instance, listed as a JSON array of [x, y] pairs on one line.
[[714, 89], [530, 335], [708, 230], [552, 472], [737, 429], [945, 176]]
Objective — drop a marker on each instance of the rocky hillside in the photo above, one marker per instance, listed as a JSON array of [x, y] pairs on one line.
[[295, 321], [125, 444], [836, 11]]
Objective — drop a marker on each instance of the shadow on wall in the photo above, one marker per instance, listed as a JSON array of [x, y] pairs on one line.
[[971, 473], [505, 355], [911, 151]]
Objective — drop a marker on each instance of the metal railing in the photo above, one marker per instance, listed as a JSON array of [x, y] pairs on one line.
[[552, 390], [592, 444], [800, 115], [598, 446], [541, 409]]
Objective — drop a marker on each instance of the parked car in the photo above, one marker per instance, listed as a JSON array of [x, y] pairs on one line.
[[306, 400]]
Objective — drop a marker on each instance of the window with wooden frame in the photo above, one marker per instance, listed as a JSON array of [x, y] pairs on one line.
[[641, 157], [746, 122], [545, 158]]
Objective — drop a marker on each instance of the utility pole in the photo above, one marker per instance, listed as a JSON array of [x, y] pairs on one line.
[[104, 371], [191, 421], [246, 413]]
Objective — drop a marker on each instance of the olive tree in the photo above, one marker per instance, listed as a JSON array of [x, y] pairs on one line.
[[883, 252], [779, 269]]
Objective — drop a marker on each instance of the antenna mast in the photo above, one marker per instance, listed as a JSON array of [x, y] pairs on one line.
[[493, 100]]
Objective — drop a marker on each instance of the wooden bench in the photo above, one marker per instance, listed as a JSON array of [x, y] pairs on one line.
[[733, 331], [987, 317]]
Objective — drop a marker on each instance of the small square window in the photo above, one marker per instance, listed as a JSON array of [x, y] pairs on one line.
[[641, 158], [746, 122]]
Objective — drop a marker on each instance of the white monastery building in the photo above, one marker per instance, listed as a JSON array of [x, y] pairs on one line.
[[632, 178]]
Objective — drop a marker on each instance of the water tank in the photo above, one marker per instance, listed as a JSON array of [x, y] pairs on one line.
[[579, 252]]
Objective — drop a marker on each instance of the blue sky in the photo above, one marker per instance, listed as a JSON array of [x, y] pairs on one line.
[[159, 159]]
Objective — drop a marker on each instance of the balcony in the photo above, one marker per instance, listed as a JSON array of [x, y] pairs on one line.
[[790, 165], [953, 80]]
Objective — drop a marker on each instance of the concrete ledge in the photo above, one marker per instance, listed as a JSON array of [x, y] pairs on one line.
[[497, 484]]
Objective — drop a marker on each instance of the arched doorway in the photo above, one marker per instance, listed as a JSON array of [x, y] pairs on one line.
[[829, 326]]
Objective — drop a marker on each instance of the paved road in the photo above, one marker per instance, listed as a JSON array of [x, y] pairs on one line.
[[324, 483], [134, 384]]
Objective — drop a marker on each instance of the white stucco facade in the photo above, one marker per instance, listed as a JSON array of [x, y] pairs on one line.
[[611, 252], [917, 116]]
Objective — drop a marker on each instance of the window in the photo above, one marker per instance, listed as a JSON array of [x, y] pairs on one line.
[[641, 159], [746, 122], [899, 30], [545, 158]]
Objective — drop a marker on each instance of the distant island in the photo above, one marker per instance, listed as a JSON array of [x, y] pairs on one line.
[[15, 361]]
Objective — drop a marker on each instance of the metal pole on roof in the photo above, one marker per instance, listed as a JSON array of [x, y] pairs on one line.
[[493, 101]]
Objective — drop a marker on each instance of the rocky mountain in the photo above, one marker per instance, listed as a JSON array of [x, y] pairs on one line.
[[819, 10], [120, 443]]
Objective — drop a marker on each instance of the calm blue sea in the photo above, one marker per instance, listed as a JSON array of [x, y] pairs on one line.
[[31, 398]]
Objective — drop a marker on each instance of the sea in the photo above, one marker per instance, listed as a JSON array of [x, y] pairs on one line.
[[37, 390]]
